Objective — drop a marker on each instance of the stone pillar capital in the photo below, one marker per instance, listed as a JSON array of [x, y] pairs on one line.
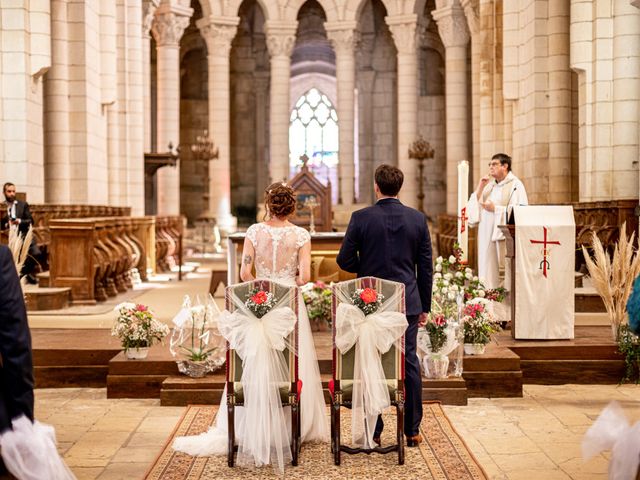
[[404, 30], [280, 45], [218, 33], [169, 24], [470, 8], [343, 36], [148, 12], [452, 25]]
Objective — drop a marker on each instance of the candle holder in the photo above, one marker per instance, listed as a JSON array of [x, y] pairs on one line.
[[311, 203], [421, 150], [204, 151]]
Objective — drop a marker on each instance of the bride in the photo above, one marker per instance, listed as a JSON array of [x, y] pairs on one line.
[[280, 252]]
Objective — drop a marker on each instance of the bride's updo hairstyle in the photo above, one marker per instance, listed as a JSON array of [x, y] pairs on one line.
[[280, 200]]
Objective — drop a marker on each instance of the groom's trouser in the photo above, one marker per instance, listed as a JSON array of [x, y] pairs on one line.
[[412, 382]]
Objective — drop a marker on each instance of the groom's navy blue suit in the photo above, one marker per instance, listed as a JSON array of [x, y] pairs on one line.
[[392, 242], [16, 366]]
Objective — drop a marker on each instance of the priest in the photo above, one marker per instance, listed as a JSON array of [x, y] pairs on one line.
[[488, 207]]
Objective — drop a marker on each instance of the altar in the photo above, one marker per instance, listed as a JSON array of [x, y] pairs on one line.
[[324, 250]]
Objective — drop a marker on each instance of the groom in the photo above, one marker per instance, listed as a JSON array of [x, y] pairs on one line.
[[392, 242]]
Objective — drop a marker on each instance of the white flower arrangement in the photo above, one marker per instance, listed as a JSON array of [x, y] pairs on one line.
[[136, 326]]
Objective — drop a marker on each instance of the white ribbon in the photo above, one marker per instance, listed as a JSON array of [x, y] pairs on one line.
[[612, 431], [29, 451], [259, 342], [372, 335]]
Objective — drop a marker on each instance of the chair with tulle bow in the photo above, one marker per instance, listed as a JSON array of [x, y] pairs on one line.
[[289, 390], [351, 378]]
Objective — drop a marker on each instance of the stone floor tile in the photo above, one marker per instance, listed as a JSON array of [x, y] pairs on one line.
[[509, 444], [164, 425], [146, 439], [524, 461], [87, 473], [121, 471], [576, 467], [166, 411], [95, 449], [136, 455], [112, 422], [525, 474]]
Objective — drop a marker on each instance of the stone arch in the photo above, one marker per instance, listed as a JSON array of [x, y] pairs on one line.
[[222, 8], [330, 8], [353, 9]]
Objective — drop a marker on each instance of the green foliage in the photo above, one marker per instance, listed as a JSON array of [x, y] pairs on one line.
[[629, 346]]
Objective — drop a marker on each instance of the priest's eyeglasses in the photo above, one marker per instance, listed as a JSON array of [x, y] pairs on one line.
[[495, 163]]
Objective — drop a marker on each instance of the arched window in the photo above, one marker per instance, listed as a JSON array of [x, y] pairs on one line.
[[314, 131]]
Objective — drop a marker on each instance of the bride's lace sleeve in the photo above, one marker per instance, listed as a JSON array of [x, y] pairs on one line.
[[303, 237], [252, 233]]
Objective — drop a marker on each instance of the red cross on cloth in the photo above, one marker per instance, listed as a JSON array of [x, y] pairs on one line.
[[545, 263], [463, 218]]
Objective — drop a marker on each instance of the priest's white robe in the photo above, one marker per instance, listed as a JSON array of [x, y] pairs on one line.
[[504, 195]]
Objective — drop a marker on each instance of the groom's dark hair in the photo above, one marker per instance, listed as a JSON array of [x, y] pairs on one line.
[[389, 180]]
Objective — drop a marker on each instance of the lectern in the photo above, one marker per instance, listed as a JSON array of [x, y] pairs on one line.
[[540, 252]]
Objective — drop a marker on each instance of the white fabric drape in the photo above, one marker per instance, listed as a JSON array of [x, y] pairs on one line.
[[29, 451], [372, 335], [612, 431], [259, 342]]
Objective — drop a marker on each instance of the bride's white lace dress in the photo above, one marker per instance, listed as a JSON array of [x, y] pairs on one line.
[[276, 259]]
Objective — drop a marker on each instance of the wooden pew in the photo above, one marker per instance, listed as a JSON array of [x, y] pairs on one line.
[[95, 256]]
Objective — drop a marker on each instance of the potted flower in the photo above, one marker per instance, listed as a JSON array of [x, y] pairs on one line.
[[436, 361], [137, 329], [317, 298], [479, 325], [196, 341]]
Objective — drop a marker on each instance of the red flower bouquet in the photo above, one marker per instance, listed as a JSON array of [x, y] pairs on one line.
[[260, 302], [367, 299]]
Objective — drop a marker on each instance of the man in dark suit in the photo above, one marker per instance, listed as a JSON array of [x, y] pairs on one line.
[[391, 241], [16, 366], [16, 213]]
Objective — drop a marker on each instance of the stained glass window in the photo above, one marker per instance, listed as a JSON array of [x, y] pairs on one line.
[[314, 131]]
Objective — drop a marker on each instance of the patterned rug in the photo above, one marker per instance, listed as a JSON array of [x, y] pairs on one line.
[[442, 456]]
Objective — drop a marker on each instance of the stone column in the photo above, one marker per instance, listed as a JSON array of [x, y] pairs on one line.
[[473, 22], [56, 109], [453, 30], [404, 31], [168, 26], [261, 86], [280, 41], [626, 98], [219, 33], [148, 12], [343, 37]]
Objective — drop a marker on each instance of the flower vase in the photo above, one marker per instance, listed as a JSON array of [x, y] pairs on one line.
[[193, 369], [436, 365], [136, 353], [474, 348]]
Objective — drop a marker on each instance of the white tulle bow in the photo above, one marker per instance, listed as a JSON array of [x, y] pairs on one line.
[[372, 336], [612, 431], [259, 342], [29, 451]]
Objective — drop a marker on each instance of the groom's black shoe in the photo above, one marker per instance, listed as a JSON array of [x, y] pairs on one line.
[[376, 439], [414, 441]]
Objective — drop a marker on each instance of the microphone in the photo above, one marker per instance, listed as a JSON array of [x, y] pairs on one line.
[[510, 217]]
